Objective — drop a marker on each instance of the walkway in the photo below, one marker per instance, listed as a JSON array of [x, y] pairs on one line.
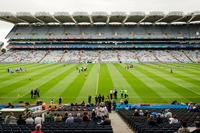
[[118, 125]]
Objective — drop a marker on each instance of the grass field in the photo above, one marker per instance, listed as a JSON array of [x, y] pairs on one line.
[[146, 83]]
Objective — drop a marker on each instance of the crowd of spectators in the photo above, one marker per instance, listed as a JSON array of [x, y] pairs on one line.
[[99, 56]]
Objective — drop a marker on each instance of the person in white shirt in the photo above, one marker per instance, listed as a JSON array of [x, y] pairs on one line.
[[29, 120], [38, 120], [10, 119], [173, 120], [167, 114]]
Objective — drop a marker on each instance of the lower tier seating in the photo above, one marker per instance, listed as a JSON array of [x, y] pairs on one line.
[[140, 123]]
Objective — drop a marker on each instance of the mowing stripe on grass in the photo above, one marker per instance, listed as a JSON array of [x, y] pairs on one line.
[[105, 81], [60, 74], [4, 67], [170, 83], [154, 85], [59, 88], [16, 83], [183, 73], [187, 82], [73, 89], [188, 66], [146, 93], [181, 69], [161, 83], [89, 87], [120, 82], [27, 69], [25, 89], [16, 77]]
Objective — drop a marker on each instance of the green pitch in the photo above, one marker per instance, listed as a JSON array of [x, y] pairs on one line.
[[146, 83]]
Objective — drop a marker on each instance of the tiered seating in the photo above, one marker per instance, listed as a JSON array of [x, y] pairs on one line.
[[83, 127], [89, 56], [128, 56], [193, 55], [109, 56], [71, 57], [100, 56], [179, 55], [4, 56], [146, 56], [65, 31], [164, 56], [53, 57], [139, 123]]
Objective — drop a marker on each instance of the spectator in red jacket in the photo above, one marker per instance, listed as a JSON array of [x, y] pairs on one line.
[[38, 129]]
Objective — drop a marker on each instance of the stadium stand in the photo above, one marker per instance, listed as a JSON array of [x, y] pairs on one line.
[[56, 120], [100, 56], [65, 38], [141, 124]]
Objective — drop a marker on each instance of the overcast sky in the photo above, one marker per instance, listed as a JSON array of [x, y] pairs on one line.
[[93, 5]]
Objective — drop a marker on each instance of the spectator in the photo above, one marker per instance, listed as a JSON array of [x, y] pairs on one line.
[[70, 120], [89, 99], [109, 106], [111, 94], [102, 98], [9, 106], [173, 120], [151, 122], [21, 121], [58, 118], [114, 105], [159, 119], [146, 112], [115, 93], [60, 100], [78, 118], [10, 119], [183, 128], [197, 130], [38, 128], [106, 121], [141, 113], [96, 100], [99, 98], [85, 116], [38, 120], [83, 103], [136, 113], [167, 114], [65, 116], [48, 117], [29, 120], [94, 118], [126, 102]]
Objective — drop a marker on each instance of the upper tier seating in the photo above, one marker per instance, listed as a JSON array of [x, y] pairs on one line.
[[103, 31]]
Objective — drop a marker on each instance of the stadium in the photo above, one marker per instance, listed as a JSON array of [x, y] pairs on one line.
[[81, 72]]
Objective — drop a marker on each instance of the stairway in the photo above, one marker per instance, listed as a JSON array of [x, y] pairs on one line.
[[156, 57], [118, 124], [138, 58], [188, 57], [43, 56], [175, 57], [62, 56]]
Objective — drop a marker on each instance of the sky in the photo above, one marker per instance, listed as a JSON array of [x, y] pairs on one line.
[[89, 6]]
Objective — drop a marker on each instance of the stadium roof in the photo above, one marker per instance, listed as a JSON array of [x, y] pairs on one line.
[[99, 17]]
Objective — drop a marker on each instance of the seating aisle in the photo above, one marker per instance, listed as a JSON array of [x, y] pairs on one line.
[[118, 125]]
